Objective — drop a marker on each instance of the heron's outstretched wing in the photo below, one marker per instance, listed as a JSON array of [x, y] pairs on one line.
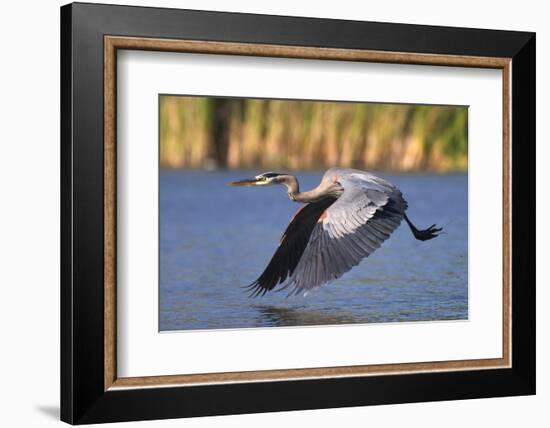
[[352, 228], [291, 247]]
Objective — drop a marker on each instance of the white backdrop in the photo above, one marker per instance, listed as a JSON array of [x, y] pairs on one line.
[[29, 219]]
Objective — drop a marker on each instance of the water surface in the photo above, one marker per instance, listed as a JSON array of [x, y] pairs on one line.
[[216, 239]]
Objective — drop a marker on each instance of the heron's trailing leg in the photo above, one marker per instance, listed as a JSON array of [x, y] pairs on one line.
[[423, 235]]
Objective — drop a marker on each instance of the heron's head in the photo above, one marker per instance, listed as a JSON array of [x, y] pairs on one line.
[[265, 179]]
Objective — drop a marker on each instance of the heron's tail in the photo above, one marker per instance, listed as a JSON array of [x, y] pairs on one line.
[[423, 235]]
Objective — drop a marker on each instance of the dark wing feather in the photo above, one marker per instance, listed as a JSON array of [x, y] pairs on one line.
[[291, 247], [353, 228]]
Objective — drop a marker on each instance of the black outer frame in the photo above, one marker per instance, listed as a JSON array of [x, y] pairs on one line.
[[83, 399]]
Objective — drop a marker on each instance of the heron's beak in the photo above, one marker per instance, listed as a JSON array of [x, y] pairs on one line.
[[246, 182]]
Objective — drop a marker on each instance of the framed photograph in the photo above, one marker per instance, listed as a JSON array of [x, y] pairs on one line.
[[266, 213]]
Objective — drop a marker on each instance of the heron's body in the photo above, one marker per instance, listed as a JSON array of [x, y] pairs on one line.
[[344, 219]]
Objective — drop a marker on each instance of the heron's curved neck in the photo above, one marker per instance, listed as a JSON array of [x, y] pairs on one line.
[[313, 195]]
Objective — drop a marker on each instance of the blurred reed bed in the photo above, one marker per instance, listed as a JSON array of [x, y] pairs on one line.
[[208, 132]]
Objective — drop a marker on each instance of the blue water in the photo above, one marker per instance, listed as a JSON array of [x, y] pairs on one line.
[[215, 239]]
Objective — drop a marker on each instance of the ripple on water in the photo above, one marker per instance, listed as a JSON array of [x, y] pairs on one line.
[[214, 240]]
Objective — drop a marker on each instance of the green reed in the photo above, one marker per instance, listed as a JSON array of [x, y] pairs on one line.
[[197, 132]]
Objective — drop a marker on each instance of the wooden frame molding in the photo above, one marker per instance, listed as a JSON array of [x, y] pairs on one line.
[[113, 43]]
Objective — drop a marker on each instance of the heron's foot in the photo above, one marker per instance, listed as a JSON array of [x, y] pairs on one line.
[[427, 234]]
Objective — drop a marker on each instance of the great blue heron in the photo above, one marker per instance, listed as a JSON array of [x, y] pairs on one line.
[[344, 219]]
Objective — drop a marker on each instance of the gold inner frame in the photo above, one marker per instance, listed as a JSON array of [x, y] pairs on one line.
[[113, 43]]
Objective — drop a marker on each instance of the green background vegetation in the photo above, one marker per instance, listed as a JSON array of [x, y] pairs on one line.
[[207, 132]]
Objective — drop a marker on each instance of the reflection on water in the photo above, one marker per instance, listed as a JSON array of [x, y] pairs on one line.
[[216, 239], [302, 315]]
